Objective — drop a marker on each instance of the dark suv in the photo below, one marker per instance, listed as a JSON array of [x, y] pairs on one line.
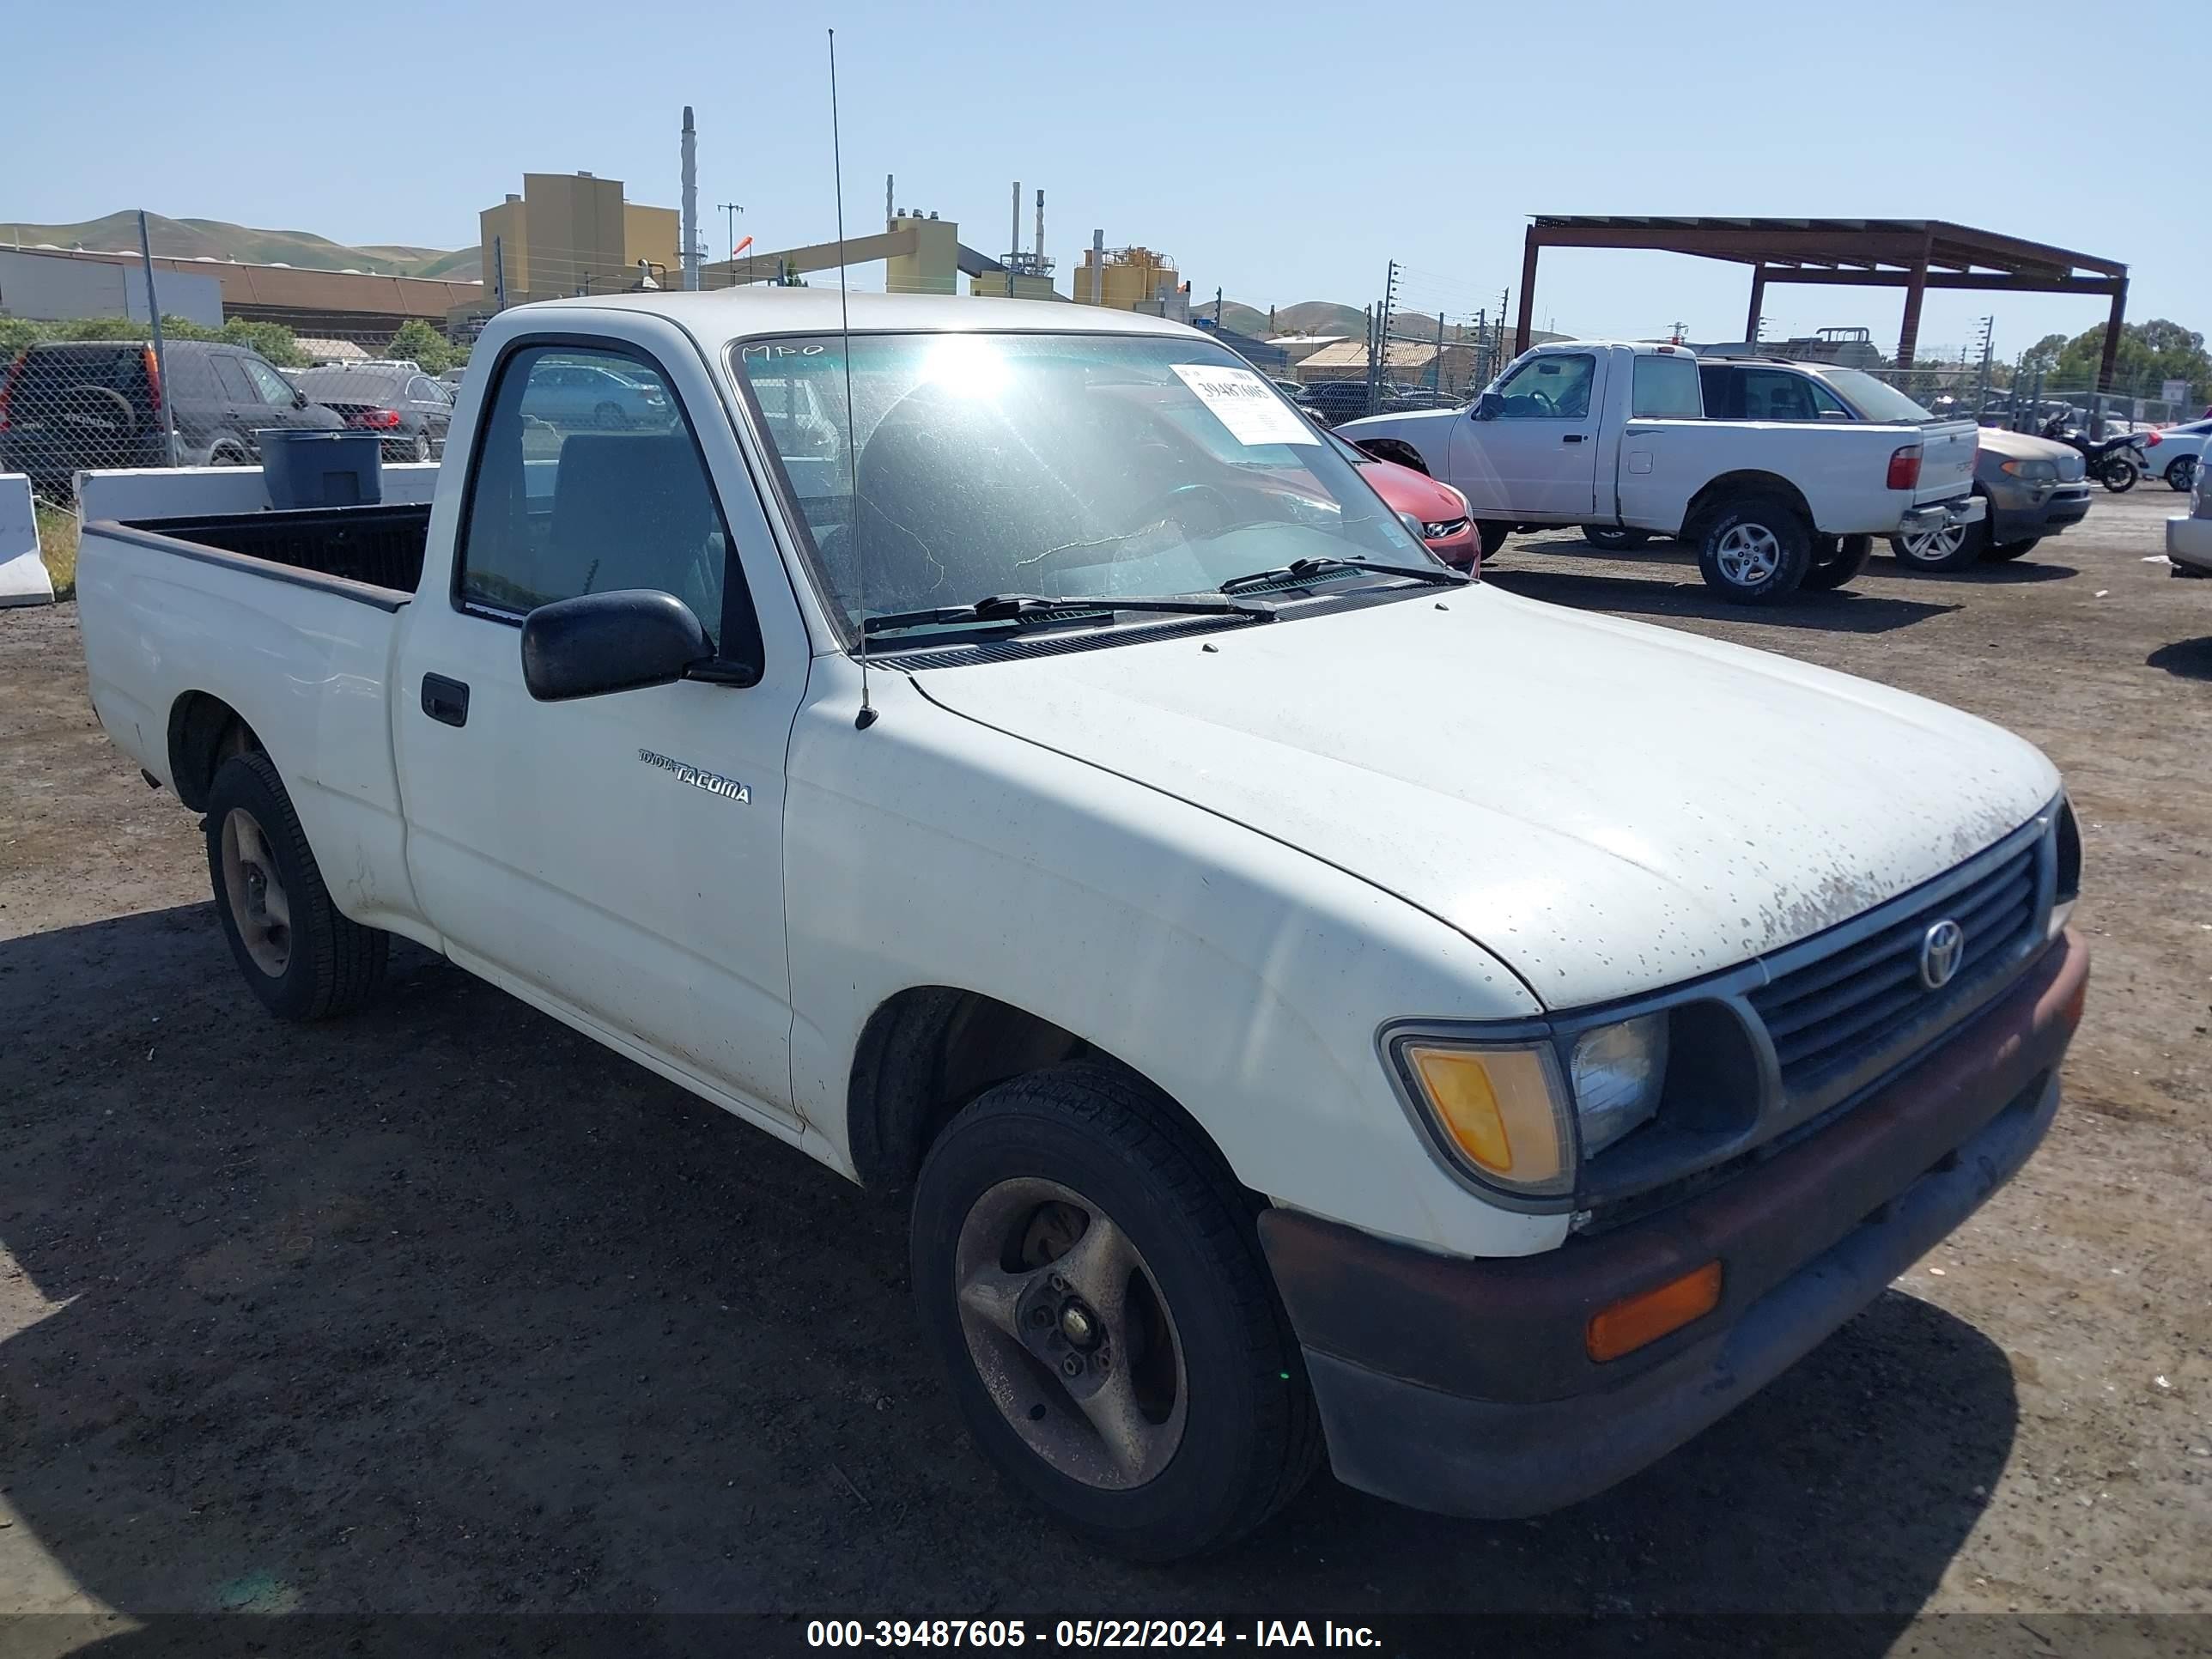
[[72, 406]]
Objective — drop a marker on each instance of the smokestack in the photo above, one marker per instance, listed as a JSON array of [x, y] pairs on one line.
[[689, 229], [1097, 267], [888, 214], [1039, 239], [1014, 236]]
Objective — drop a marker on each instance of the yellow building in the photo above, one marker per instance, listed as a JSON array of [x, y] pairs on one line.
[[1126, 279], [933, 265], [572, 232]]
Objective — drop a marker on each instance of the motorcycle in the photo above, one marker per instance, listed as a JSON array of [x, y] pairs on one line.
[[2117, 463]]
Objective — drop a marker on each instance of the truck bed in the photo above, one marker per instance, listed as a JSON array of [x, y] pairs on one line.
[[379, 547]]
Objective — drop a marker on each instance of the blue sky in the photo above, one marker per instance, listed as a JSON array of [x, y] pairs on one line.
[[1284, 154]]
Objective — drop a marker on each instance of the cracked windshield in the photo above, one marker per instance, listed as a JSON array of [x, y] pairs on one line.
[[1065, 465]]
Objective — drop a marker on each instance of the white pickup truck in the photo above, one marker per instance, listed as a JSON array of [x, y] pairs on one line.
[[1616, 438], [1281, 1053]]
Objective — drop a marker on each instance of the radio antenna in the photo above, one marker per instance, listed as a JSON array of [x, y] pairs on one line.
[[866, 717]]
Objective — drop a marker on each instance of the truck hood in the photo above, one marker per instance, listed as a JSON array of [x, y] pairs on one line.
[[1607, 807]]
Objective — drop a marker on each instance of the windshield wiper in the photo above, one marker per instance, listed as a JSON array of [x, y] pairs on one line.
[[1023, 609], [1435, 576]]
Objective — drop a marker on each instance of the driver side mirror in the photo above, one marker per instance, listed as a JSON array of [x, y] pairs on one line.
[[596, 643], [1487, 406], [298, 398]]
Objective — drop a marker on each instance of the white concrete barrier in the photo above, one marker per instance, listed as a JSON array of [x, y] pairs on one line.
[[23, 579]]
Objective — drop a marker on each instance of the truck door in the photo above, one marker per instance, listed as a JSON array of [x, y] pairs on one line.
[[1527, 450], [618, 858], [1655, 474]]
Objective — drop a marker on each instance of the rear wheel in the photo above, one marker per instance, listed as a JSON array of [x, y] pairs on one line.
[[422, 446], [1490, 537], [611, 416], [1754, 549], [2118, 474], [303, 959], [1614, 537], [1953, 547], [1998, 552], [1836, 560], [1092, 1283], [2181, 473]]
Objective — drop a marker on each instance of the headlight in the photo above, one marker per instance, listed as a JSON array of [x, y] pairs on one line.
[[2032, 471], [1617, 1072], [2067, 889], [1501, 1111]]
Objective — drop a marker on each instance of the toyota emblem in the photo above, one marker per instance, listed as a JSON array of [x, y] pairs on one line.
[[1941, 947]]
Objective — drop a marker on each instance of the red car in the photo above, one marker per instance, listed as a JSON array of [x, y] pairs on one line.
[[1445, 526]]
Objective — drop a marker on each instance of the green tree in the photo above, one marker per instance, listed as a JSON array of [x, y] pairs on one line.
[[418, 340], [2042, 357], [2150, 354]]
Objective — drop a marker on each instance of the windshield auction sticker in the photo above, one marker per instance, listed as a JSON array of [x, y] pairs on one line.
[[1253, 410]]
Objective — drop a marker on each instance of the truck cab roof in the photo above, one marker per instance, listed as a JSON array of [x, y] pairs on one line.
[[742, 313]]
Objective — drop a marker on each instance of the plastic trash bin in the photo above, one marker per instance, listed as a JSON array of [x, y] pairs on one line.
[[320, 469]]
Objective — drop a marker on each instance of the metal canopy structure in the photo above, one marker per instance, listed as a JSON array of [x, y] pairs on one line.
[[1913, 254]]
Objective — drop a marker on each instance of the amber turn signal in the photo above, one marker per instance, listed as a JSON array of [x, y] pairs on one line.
[[1635, 1321]]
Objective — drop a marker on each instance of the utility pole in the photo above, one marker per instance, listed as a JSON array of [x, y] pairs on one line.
[[161, 356], [1378, 344], [1216, 307], [732, 210], [1437, 379], [1988, 344]]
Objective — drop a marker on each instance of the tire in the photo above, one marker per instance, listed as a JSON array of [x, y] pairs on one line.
[[2181, 474], [611, 417], [1222, 1430], [1838, 559], [1754, 549], [422, 446], [1614, 538], [1952, 550], [314, 963], [227, 455], [2119, 475], [1489, 537], [1998, 552]]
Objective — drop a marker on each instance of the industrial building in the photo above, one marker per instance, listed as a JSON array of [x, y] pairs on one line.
[[341, 304], [50, 285], [572, 232]]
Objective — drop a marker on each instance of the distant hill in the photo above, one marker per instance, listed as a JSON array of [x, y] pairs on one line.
[[216, 238], [1328, 317]]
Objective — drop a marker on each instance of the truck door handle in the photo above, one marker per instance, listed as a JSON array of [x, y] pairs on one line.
[[1570, 437], [445, 700]]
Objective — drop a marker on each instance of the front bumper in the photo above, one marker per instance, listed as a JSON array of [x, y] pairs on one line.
[[2020, 513], [1942, 515], [2189, 546], [1464, 1386]]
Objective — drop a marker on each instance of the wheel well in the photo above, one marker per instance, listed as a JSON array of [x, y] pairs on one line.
[[931, 1049], [1397, 450], [1730, 485], [204, 732]]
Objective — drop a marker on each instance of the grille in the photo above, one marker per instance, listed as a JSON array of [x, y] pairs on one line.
[[1860, 1000]]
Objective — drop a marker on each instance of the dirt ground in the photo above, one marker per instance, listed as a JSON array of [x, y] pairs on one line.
[[443, 1308]]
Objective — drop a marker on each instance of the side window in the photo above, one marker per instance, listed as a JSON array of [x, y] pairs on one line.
[[273, 387], [1723, 389], [1826, 406], [564, 503], [1553, 387], [236, 388], [1776, 394], [1665, 389]]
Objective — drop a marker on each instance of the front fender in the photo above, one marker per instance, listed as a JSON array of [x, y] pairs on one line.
[[1242, 976]]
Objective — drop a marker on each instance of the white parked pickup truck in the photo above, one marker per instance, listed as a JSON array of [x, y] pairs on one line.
[[1616, 438], [1282, 1055]]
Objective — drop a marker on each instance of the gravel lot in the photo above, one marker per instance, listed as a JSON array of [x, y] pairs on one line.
[[443, 1308]]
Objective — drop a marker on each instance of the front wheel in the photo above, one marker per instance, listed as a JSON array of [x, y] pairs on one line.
[[1837, 560], [2181, 474], [1952, 547], [2119, 475], [1755, 549], [610, 415], [1614, 537], [1999, 552], [1090, 1282], [300, 955]]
